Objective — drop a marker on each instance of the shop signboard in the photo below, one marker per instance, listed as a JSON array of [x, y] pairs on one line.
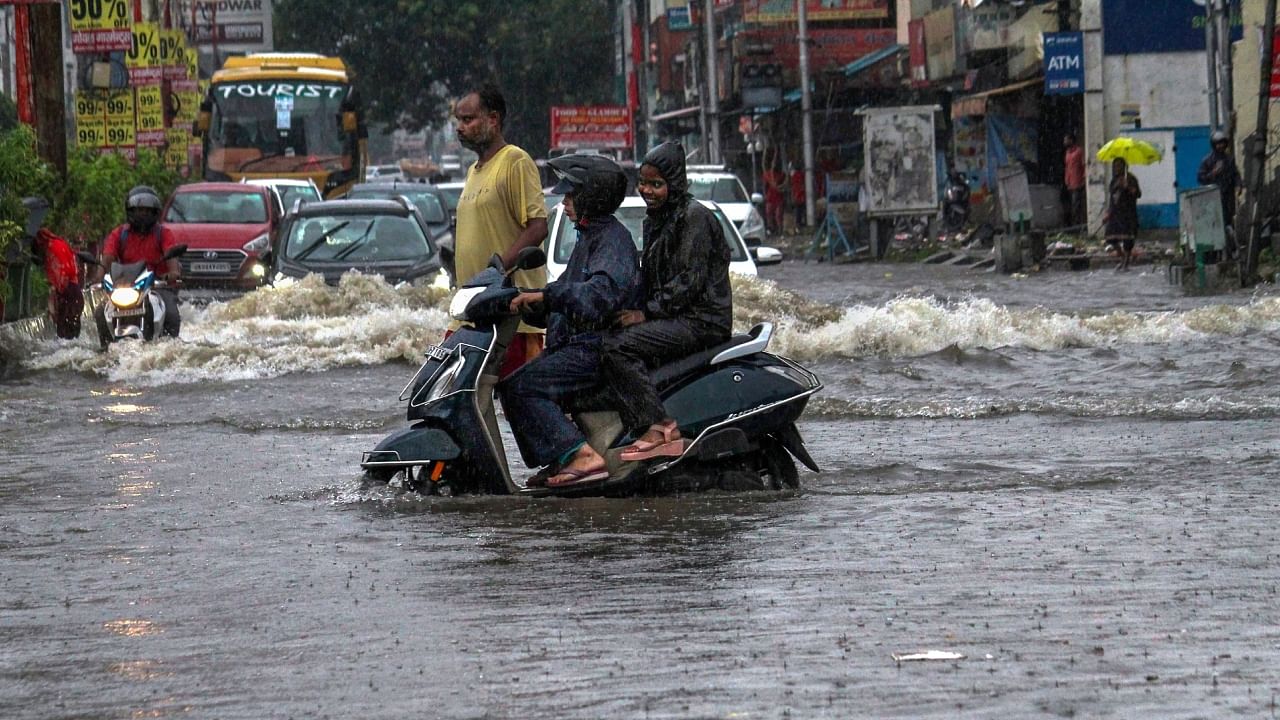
[[1063, 63], [238, 26], [828, 47], [1134, 27], [940, 42], [784, 11], [917, 54], [99, 26], [591, 126]]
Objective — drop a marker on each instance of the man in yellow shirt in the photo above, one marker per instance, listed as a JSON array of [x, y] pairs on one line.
[[501, 210]]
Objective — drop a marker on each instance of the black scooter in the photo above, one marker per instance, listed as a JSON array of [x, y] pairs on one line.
[[955, 206], [738, 403]]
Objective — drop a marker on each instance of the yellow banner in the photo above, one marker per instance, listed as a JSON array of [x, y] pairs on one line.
[[175, 153], [143, 58], [98, 14], [150, 106], [120, 119], [91, 121]]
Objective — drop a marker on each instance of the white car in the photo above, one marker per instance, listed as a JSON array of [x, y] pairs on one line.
[[561, 237], [383, 173], [725, 189], [289, 190]]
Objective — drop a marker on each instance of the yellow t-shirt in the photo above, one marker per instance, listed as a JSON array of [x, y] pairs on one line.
[[499, 199]]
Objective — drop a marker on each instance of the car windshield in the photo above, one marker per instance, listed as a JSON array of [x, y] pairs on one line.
[[217, 207], [717, 189], [428, 203], [356, 238], [451, 195], [633, 219], [291, 193]]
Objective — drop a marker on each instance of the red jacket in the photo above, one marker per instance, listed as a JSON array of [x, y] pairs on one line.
[[149, 248], [60, 265]]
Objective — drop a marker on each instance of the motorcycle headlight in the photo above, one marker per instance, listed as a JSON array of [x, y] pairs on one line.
[[448, 379], [257, 245], [753, 224], [125, 297], [461, 299]]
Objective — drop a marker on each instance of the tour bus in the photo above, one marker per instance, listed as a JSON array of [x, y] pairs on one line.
[[284, 115]]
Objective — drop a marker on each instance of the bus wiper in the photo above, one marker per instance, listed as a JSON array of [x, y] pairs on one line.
[[245, 166], [352, 247], [320, 241]]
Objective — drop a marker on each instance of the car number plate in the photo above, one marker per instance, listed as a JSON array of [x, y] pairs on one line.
[[210, 267]]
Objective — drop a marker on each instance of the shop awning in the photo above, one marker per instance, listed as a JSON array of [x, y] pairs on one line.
[[677, 114], [870, 59], [976, 104]]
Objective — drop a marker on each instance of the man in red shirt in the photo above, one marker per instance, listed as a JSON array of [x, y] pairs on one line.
[[66, 299], [1073, 179], [141, 239]]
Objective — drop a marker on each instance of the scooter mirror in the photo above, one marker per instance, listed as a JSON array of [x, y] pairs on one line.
[[531, 257]]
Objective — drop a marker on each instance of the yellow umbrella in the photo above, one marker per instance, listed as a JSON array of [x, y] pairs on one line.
[[1134, 152]]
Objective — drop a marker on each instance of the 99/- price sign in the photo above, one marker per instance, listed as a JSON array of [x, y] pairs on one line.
[[99, 25], [149, 105], [91, 121], [121, 132]]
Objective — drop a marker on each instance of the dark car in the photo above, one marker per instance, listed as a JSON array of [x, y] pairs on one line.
[[383, 237], [430, 201], [226, 227]]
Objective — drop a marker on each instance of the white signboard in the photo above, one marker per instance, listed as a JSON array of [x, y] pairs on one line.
[[900, 173], [233, 26]]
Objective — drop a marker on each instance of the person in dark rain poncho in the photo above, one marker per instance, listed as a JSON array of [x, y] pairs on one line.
[[687, 307], [601, 278]]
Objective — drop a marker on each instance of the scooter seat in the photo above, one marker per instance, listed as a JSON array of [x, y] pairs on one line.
[[671, 372]]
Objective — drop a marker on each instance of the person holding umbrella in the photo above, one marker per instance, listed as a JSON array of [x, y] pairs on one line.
[[1120, 221]]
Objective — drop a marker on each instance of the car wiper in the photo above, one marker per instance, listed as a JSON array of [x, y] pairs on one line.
[[342, 255], [320, 241]]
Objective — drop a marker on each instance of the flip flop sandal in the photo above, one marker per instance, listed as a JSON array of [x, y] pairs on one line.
[[540, 478], [577, 477], [673, 448]]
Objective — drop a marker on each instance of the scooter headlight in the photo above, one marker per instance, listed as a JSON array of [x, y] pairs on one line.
[[125, 297], [461, 299]]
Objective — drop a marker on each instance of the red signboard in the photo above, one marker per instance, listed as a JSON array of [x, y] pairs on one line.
[[1275, 65], [784, 11], [591, 126], [918, 58], [827, 47]]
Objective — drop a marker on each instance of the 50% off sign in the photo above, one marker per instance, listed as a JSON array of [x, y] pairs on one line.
[[99, 26]]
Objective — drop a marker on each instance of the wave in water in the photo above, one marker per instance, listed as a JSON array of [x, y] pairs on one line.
[[307, 326], [1090, 406]]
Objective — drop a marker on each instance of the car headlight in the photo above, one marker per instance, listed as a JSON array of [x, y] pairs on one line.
[[125, 297], [753, 223], [257, 245], [461, 299]]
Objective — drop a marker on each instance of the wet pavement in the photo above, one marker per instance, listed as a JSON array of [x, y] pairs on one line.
[[1067, 478]]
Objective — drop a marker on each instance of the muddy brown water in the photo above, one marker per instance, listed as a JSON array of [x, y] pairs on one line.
[[1069, 479]]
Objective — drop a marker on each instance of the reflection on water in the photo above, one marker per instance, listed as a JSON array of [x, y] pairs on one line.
[[132, 628]]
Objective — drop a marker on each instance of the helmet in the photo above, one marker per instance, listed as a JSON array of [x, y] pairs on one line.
[[1217, 137], [142, 208], [598, 184]]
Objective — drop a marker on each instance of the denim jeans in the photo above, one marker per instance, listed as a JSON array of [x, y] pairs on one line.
[[532, 397]]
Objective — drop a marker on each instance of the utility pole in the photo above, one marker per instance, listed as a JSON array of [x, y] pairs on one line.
[[806, 111], [1211, 58], [713, 100], [1256, 148], [39, 49], [1226, 103]]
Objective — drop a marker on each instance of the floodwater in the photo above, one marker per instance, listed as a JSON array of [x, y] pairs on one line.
[[1070, 479]]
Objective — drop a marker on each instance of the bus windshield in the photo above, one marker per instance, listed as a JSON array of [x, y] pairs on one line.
[[265, 126]]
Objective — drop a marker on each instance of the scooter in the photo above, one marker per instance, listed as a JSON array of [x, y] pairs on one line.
[[132, 310], [955, 207], [737, 402]]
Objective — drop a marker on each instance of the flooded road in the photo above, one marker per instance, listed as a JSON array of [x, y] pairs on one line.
[[1069, 479]]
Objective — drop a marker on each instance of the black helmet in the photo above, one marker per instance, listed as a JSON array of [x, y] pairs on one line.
[[598, 184], [142, 208]]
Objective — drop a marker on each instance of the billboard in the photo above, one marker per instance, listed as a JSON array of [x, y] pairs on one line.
[[1131, 27], [235, 26], [591, 126], [1063, 63], [827, 46], [784, 11]]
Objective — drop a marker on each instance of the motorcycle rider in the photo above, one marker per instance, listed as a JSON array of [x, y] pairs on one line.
[[601, 278], [142, 239]]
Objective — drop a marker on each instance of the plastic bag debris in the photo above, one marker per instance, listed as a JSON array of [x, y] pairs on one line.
[[928, 655]]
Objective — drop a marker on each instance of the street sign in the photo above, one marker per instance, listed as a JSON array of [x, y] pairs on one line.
[[591, 126], [1063, 63], [678, 18]]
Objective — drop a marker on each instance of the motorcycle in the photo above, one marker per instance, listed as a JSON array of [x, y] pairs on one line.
[[737, 402], [955, 207], [132, 309]]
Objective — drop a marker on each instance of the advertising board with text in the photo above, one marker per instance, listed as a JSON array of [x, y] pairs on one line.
[[99, 26], [590, 126], [784, 11]]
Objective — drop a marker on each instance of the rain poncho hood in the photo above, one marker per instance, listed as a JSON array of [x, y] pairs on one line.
[[685, 262]]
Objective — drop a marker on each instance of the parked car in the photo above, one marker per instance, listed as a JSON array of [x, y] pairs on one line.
[[290, 190], [227, 227], [452, 191], [562, 237], [725, 189], [429, 200], [374, 236]]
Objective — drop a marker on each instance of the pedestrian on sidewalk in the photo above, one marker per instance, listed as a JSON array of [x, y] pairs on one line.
[[66, 297], [1073, 180], [1121, 217], [797, 195], [774, 181]]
